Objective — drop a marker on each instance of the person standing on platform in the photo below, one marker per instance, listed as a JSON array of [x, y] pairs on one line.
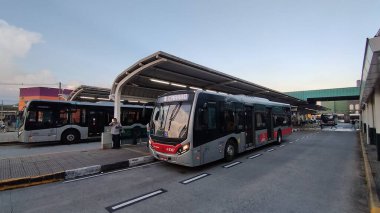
[[115, 131]]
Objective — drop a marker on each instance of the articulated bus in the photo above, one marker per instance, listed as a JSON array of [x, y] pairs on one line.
[[192, 128], [69, 121]]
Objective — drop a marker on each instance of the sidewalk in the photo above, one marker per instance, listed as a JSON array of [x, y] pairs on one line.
[[372, 169], [32, 170], [375, 165]]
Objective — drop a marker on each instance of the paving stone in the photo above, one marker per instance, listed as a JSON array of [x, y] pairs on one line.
[[30, 169], [57, 162], [16, 168]]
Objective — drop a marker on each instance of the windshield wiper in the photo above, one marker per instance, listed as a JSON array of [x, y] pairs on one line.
[[183, 131], [174, 114]]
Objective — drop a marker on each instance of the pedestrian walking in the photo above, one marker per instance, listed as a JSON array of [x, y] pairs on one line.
[[115, 131]]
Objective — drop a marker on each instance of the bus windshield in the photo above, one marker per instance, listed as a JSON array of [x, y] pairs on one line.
[[170, 120]]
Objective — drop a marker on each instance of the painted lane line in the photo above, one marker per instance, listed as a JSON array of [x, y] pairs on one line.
[[108, 173], [195, 178], [297, 140], [255, 156], [270, 150], [135, 200], [291, 142], [232, 164], [282, 145]]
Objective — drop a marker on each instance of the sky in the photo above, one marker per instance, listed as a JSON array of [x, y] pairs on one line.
[[283, 45]]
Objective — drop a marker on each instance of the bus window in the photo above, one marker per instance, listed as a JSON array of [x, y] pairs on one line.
[[239, 116], [63, 117], [280, 120], [75, 116], [131, 117], [32, 117], [229, 117], [211, 111], [201, 119], [40, 119], [206, 117], [260, 120]]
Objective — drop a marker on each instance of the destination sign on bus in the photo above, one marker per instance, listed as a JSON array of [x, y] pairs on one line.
[[172, 98]]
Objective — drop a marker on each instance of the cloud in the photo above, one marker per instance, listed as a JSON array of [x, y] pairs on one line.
[[15, 43]]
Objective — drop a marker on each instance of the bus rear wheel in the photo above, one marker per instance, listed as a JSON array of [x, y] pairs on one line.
[[229, 151], [70, 136], [279, 137]]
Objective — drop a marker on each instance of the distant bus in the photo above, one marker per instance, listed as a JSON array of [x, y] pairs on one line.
[[328, 120], [192, 128], [69, 121], [355, 117]]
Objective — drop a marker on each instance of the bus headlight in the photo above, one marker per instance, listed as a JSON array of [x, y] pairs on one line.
[[150, 143], [184, 148]]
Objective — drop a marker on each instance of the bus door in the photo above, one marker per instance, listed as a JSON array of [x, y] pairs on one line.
[[95, 122], [249, 136], [269, 122]]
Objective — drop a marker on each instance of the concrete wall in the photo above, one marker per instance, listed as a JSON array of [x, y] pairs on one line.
[[376, 112]]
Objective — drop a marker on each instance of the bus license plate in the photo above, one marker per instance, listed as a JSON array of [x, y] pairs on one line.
[[163, 157]]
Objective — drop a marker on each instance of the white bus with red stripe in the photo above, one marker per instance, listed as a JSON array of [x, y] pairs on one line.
[[192, 128]]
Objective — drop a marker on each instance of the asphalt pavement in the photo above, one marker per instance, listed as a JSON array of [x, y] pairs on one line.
[[312, 171]]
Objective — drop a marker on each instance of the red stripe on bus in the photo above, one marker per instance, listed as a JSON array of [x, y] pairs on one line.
[[287, 131], [263, 137], [164, 148]]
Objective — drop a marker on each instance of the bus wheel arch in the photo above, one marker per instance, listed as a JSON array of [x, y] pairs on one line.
[[230, 149], [70, 136]]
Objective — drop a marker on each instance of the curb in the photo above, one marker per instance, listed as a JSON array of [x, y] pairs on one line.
[[72, 173], [373, 201], [15, 183]]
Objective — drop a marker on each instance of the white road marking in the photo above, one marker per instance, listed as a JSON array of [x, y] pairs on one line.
[[108, 173], [135, 200], [270, 150], [194, 178], [232, 164], [255, 156], [282, 145]]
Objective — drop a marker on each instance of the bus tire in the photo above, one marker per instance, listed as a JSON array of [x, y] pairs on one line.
[[230, 151], [279, 137], [70, 136]]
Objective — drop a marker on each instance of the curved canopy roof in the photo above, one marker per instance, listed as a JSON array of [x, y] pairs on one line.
[[89, 93], [161, 72]]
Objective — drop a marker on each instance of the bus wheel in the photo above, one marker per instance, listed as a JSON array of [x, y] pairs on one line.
[[279, 137], [229, 151], [70, 136]]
